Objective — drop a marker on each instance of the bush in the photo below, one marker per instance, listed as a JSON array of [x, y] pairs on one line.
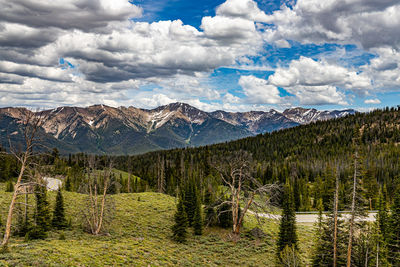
[[9, 186], [61, 236], [35, 233], [290, 257]]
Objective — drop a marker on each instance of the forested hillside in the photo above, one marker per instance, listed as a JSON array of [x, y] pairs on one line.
[[309, 154]]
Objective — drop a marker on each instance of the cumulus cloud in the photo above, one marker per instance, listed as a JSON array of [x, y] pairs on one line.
[[374, 101], [111, 55], [372, 25], [246, 9], [108, 50], [258, 91], [351, 21], [86, 15], [307, 72]]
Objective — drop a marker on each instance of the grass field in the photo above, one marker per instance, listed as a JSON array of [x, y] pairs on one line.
[[140, 236]]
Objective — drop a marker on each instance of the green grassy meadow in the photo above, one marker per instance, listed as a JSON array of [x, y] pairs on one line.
[[140, 236]]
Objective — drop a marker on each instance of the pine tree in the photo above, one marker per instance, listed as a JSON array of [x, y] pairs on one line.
[[190, 201], [42, 214], [287, 228], [68, 184], [394, 232], [210, 216], [23, 225], [382, 217], [198, 219], [179, 229], [323, 249], [113, 185], [59, 222], [380, 248]]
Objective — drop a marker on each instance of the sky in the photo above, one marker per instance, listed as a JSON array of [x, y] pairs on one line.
[[234, 55]]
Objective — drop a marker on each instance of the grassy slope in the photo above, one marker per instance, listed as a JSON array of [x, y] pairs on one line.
[[140, 236]]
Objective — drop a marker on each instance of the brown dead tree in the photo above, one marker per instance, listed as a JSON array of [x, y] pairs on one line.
[[30, 125], [98, 207], [242, 188]]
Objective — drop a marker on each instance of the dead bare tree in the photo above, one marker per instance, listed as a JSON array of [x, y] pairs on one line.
[[30, 125], [98, 207], [242, 188]]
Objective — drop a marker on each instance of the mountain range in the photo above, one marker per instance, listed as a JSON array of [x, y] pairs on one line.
[[128, 130]]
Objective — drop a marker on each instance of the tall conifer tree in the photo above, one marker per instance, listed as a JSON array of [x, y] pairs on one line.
[[198, 218], [42, 214], [59, 221], [394, 232], [179, 229], [287, 227]]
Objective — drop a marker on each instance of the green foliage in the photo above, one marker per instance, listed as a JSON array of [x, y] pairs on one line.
[[42, 214], [23, 223], [190, 200], [210, 215], [287, 236], [323, 250], [383, 217], [9, 186], [198, 218], [179, 229], [9, 166], [68, 186], [289, 257], [394, 232], [62, 236], [59, 221], [224, 212]]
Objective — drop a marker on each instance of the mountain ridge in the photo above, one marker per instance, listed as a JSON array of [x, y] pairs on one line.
[[104, 129]]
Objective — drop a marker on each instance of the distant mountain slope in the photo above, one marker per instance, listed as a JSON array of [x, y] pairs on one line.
[[129, 130]]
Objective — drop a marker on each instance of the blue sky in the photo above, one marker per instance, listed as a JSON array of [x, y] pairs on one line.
[[235, 55], [192, 12]]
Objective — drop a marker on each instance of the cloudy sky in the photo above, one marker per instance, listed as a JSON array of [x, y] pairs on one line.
[[235, 55]]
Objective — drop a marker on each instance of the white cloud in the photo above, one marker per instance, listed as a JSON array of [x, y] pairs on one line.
[[246, 9], [351, 21], [258, 91], [318, 95], [374, 101], [113, 56], [307, 72], [110, 52], [229, 98]]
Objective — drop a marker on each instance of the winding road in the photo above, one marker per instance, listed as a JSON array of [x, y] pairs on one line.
[[307, 217]]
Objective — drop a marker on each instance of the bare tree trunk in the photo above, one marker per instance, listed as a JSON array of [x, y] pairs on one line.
[[7, 231], [240, 184], [353, 207], [103, 201], [32, 122], [377, 254], [335, 214], [95, 213]]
